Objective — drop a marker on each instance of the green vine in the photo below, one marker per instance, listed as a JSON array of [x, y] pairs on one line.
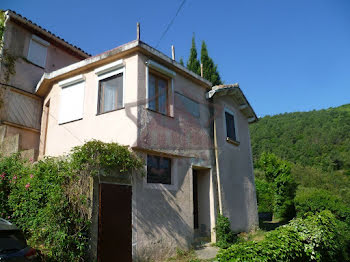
[[7, 60], [51, 200]]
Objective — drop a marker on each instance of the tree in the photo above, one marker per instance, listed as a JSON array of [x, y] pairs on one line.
[[181, 62], [210, 71], [193, 63]]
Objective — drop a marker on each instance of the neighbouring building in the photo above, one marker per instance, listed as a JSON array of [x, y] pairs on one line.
[[27, 51]]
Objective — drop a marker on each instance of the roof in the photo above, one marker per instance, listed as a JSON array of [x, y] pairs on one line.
[[48, 78], [25, 21], [234, 91]]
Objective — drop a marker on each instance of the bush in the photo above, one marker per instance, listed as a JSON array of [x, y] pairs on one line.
[[224, 235], [319, 237], [264, 195], [50, 200], [315, 200]]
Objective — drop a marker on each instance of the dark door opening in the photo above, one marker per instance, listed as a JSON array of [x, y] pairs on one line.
[[114, 225], [195, 199]]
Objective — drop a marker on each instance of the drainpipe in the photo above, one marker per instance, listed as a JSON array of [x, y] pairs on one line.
[[216, 151]]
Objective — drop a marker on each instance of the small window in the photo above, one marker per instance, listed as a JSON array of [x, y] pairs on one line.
[[110, 93], [158, 170], [38, 51], [230, 126], [158, 93], [71, 100]]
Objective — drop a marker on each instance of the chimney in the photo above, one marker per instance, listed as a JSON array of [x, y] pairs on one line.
[[173, 52], [138, 31], [201, 70]]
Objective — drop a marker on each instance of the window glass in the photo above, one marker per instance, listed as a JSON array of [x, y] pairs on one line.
[[37, 53], [162, 93], [111, 93], [158, 170], [152, 92], [230, 126], [158, 93]]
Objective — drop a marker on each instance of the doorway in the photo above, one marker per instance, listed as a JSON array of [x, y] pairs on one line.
[[201, 202], [114, 223]]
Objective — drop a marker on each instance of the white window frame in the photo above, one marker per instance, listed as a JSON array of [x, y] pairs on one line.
[[160, 186], [106, 71], [66, 84], [164, 71], [235, 121], [41, 42]]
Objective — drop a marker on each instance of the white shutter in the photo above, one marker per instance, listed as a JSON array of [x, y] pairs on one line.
[[72, 102], [37, 52]]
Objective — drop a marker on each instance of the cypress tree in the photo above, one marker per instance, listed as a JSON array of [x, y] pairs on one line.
[[210, 70], [193, 63], [181, 62]]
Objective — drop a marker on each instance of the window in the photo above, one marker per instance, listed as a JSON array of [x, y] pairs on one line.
[[110, 93], [71, 99], [37, 51], [158, 170], [230, 126], [158, 93]]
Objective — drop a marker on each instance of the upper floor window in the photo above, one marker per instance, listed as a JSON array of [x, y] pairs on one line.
[[38, 51], [71, 99], [231, 131], [110, 87], [110, 93], [158, 170], [158, 90]]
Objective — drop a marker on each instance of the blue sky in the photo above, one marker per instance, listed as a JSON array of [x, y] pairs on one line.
[[291, 55]]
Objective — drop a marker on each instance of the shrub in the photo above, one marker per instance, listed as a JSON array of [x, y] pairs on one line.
[[224, 235], [315, 200], [264, 195], [50, 201], [319, 237]]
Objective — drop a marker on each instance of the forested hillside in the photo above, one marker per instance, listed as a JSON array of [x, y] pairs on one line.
[[317, 138]]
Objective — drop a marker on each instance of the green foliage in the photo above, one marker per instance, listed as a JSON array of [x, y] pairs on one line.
[[320, 237], [316, 138], [49, 200], [2, 25], [313, 200], [182, 62], [278, 176], [264, 195], [193, 63], [224, 235], [210, 70]]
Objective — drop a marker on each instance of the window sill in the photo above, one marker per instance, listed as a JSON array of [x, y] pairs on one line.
[[233, 142], [159, 113], [110, 111], [70, 121]]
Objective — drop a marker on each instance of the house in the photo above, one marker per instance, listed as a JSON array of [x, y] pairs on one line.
[[193, 137], [27, 51]]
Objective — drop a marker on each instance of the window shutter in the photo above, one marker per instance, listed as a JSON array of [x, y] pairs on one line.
[[37, 53], [72, 102]]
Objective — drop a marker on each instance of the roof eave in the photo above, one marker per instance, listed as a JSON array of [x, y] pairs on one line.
[[234, 90]]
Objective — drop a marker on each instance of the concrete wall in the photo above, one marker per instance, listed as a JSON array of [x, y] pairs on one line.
[[204, 222], [17, 40], [235, 166], [117, 126]]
